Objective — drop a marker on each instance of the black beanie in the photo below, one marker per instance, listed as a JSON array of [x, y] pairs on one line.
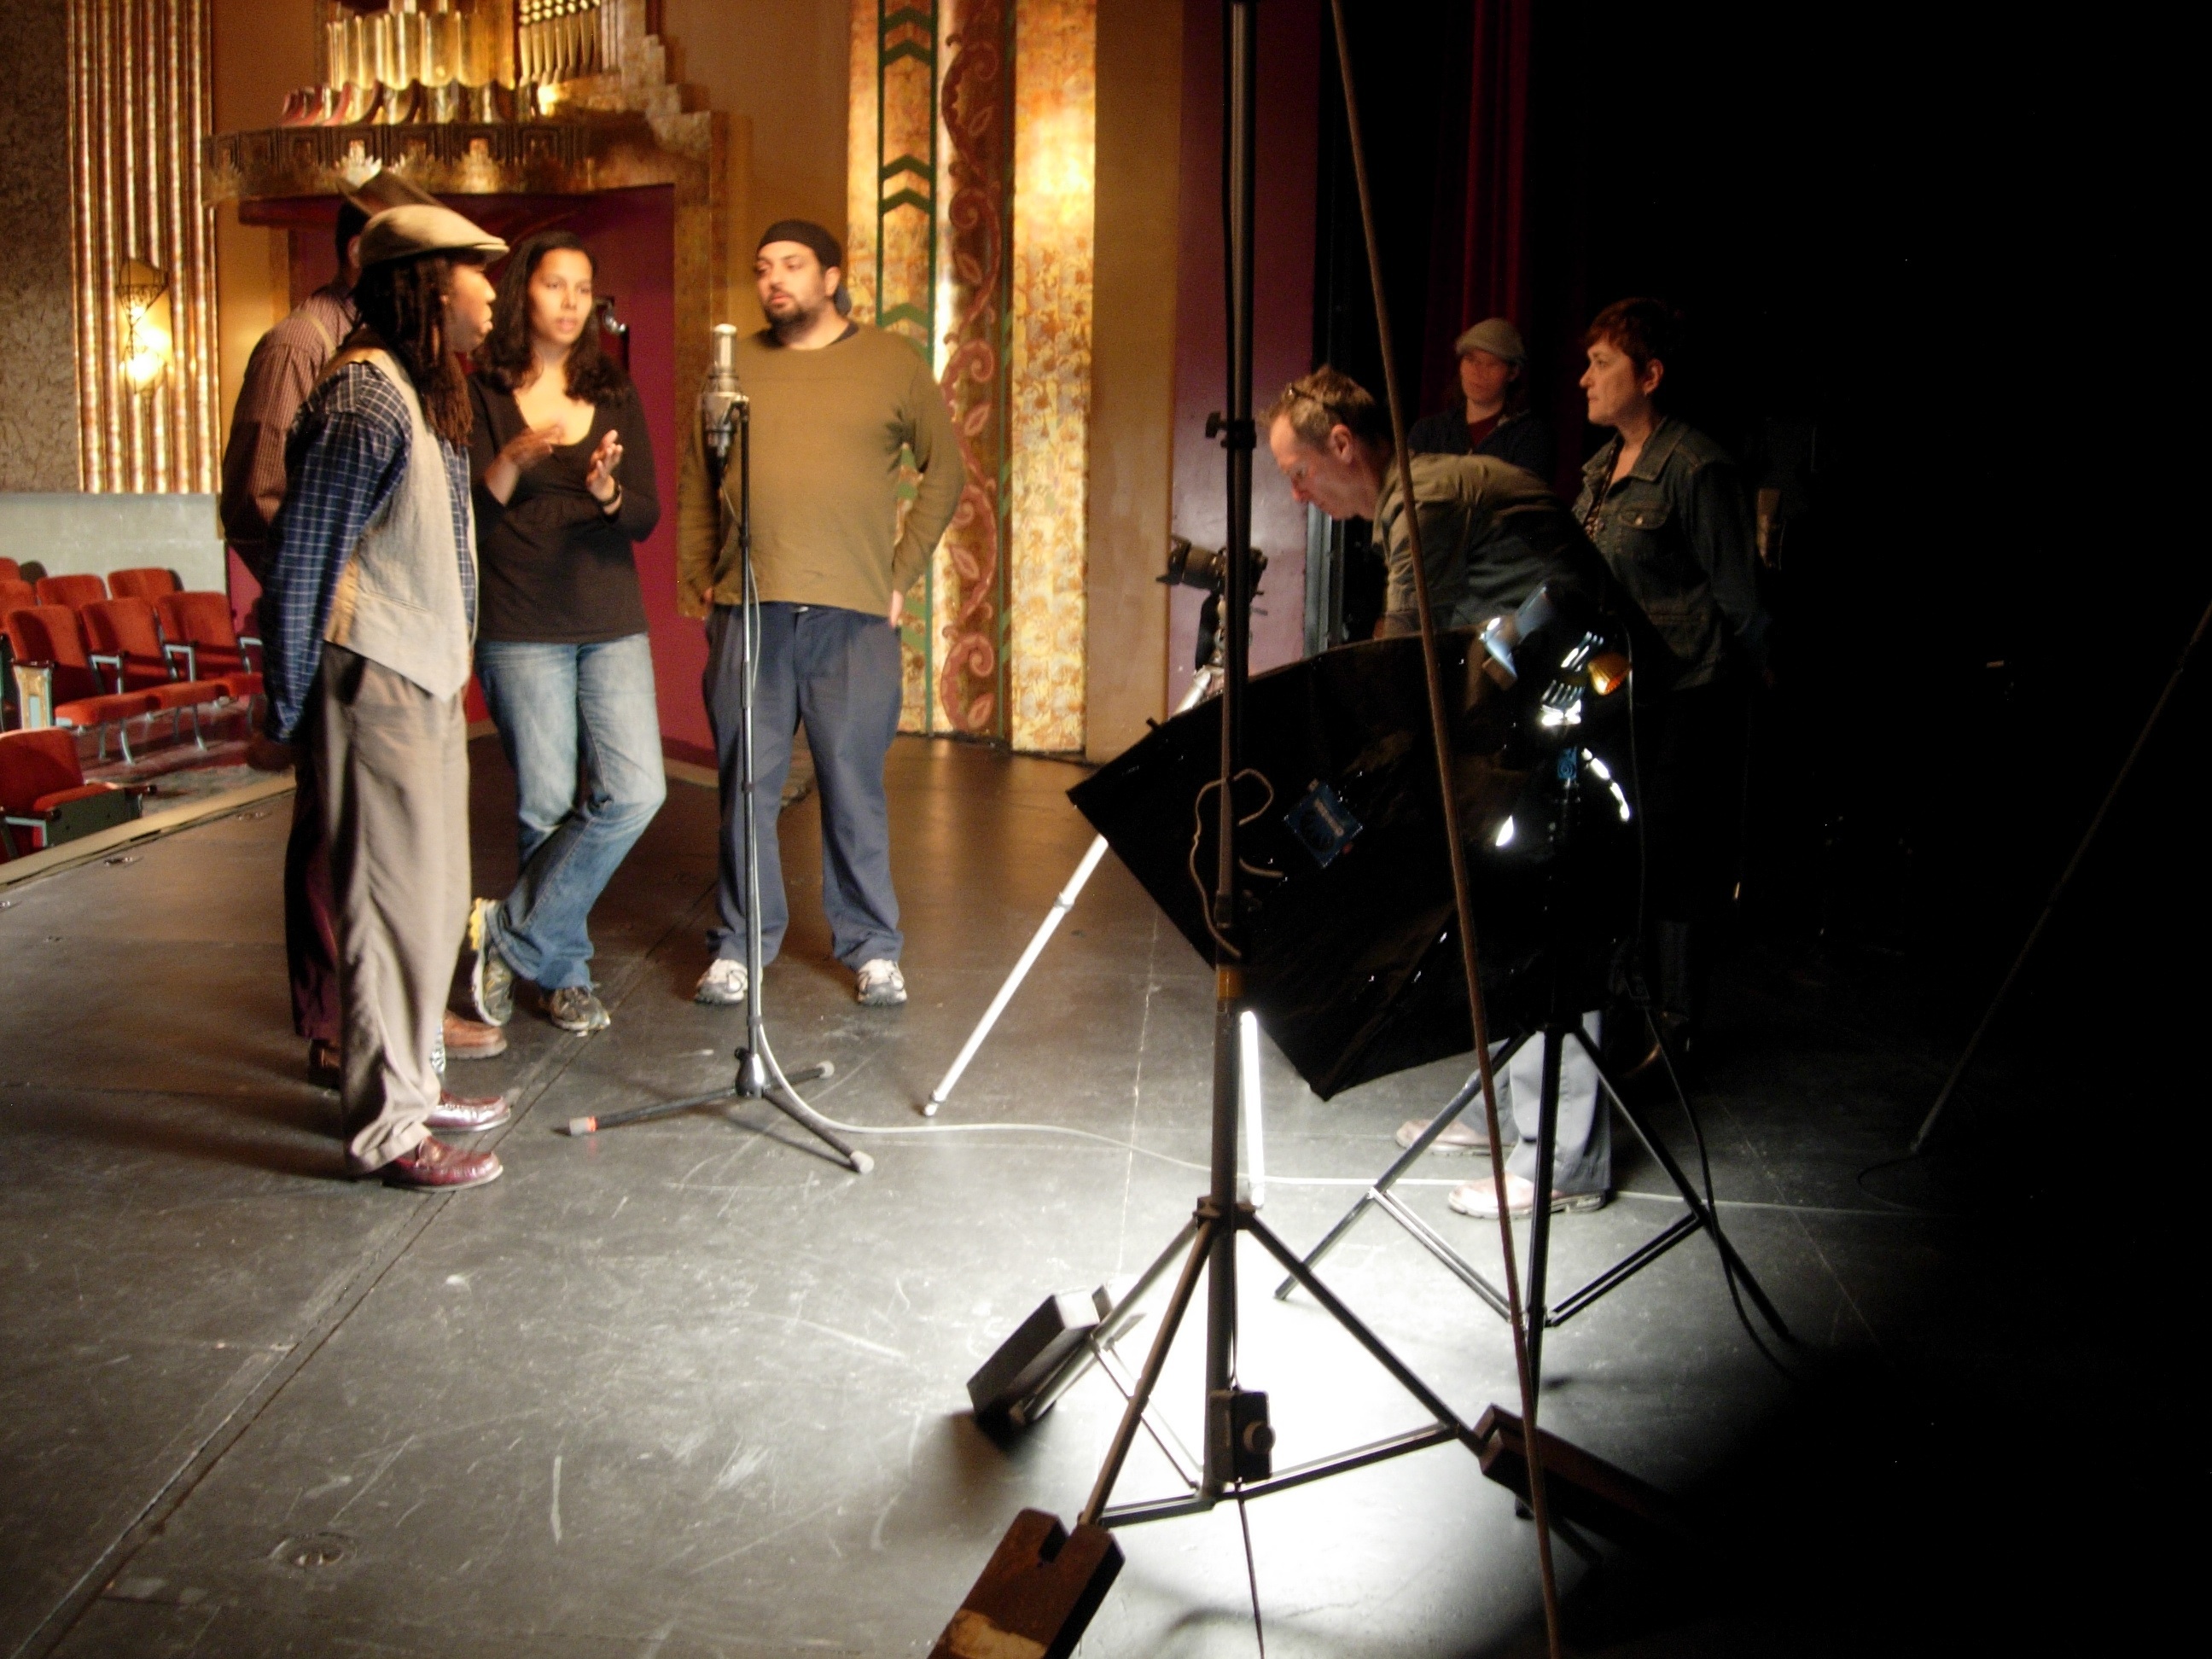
[[808, 234]]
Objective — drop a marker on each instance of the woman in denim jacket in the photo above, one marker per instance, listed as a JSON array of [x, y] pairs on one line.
[[1666, 508]]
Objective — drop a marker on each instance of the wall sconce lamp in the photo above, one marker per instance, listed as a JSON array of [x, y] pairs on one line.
[[142, 301]]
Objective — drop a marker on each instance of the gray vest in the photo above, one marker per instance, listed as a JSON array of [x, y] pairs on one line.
[[399, 601]]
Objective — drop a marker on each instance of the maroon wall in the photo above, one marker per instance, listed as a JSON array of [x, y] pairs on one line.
[[1282, 347]]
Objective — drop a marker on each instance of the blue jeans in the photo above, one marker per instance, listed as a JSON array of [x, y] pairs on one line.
[[582, 731], [839, 672]]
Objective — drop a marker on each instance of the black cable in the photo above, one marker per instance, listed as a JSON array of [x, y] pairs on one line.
[[1643, 1002], [1712, 1206]]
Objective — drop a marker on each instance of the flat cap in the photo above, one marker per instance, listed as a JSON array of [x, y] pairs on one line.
[[1496, 337], [408, 233], [385, 189]]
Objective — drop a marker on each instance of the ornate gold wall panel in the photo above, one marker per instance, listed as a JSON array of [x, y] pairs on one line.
[[1055, 167], [970, 208], [138, 109]]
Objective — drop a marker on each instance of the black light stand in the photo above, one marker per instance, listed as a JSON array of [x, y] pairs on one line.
[[1031, 1591], [726, 417], [1562, 1024]]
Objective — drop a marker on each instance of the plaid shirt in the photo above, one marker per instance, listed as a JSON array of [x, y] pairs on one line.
[[347, 453]]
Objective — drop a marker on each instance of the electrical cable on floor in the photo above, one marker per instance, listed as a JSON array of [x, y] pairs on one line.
[[1712, 1207], [1859, 1182], [1640, 994]]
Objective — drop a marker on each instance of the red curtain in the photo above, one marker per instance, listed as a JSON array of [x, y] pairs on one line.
[[1479, 248]]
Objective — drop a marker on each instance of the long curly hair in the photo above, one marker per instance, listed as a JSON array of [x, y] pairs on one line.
[[507, 355], [402, 302]]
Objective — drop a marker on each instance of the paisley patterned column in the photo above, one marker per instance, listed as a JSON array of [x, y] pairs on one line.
[[970, 224], [973, 272]]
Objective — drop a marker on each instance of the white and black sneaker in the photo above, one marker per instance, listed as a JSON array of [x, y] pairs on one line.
[[723, 985], [488, 980], [880, 984], [575, 1008]]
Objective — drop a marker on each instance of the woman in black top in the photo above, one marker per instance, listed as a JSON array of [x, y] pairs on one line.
[[564, 491]]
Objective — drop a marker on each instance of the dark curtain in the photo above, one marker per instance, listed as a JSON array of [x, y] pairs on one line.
[[1479, 261]]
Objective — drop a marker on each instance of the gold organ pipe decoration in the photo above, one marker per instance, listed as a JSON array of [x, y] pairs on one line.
[[139, 105]]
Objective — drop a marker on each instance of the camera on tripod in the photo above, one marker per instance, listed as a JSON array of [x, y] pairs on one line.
[[1206, 568]]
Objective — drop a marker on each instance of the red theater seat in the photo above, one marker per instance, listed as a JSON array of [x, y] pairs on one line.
[[200, 635], [49, 633], [146, 582], [126, 644], [15, 594], [10, 571], [75, 592], [39, 778]]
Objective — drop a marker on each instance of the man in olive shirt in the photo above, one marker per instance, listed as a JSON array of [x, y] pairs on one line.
[[835, 406], [1491, 536], [1491, 533]]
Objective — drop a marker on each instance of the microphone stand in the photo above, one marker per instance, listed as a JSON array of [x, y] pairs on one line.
[[726, 413]]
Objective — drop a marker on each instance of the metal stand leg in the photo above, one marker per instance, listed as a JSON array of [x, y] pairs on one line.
[[1540, 1214], [1199, 687], [1060, 907], [1380, 1196], [1700, 1217]]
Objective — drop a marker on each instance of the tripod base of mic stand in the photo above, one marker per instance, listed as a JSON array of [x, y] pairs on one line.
[[778, 1094]]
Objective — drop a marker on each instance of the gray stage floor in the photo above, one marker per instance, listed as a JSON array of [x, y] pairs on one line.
[[690, 1390]]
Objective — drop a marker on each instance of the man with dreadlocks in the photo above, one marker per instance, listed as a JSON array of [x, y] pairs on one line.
[[371, 610]]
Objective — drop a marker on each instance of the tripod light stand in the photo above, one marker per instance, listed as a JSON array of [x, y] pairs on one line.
[[1043, 1585], [1574, 808], [725, 420]]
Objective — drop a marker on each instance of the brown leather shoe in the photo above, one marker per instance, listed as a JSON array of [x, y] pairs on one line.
[[325, 1063], [466, 1039], [435, 1166], [468, 1114]]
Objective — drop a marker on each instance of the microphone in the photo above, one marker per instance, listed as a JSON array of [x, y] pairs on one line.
[[719, 399]]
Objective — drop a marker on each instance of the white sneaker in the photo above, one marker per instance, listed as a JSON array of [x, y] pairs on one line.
[[880, 984], [723, 984], [1461, 1137], [1480, 1199]]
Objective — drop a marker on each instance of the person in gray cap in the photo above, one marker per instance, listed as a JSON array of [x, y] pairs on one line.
[[834, 404], [1490, 415], [282, 370], [370, 610]]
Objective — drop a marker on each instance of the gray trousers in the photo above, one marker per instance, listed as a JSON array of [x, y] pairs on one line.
[[838, 671], [1582, 1157], [394, 763]]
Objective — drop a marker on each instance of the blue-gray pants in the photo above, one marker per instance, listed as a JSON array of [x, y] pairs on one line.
[[838, 671], [582, 731], [1582, 1159]]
